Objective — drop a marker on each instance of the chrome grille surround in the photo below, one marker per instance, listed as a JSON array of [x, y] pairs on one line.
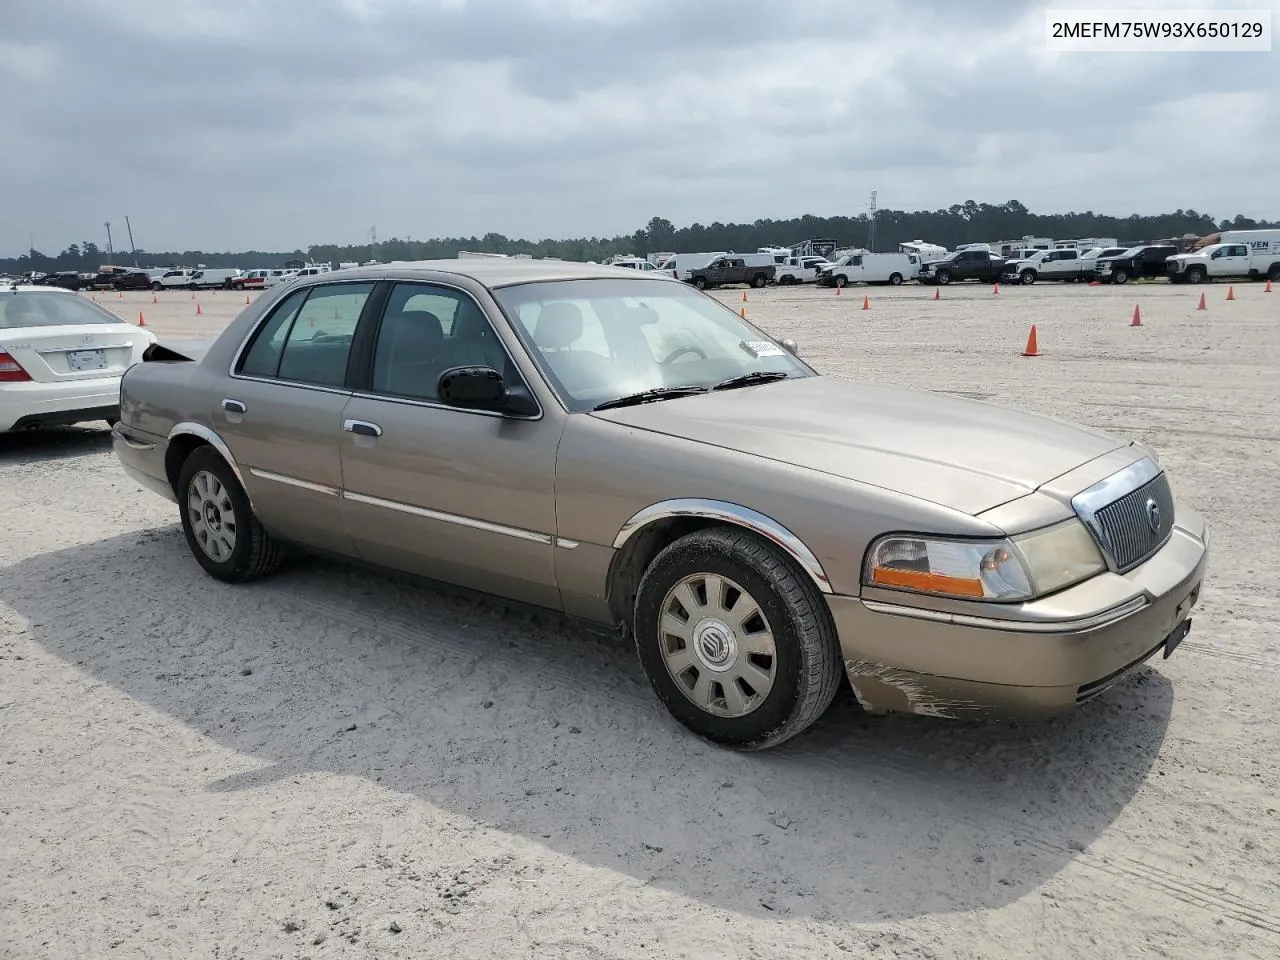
[[1129, 513]]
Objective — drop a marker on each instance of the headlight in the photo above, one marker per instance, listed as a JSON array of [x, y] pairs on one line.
[[1018, 568]]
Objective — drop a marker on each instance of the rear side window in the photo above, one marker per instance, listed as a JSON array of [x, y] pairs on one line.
[[319, 340], [262, 359]]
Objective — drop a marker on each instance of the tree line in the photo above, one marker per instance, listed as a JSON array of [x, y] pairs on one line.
[[968, 222]]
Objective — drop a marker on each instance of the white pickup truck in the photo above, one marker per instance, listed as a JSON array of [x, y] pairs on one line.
[[800, 270], [1242, 254], [1051, 265], [171, 279]]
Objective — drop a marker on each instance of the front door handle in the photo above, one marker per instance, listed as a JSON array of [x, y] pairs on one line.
[[362, 428], [233, 406]]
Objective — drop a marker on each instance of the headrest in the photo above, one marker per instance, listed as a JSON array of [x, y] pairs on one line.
[[558, 325], [411, 328]]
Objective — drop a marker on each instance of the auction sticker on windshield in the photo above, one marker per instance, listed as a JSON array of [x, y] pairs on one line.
[[761, 348]]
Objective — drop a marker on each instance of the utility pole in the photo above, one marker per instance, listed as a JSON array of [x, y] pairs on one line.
[[131, 244], [110, 253], [871, 223]]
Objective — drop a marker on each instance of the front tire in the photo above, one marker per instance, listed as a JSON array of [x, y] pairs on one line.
[[1196, 275], [157, 287], [944, 277], [1121, 276], [222, 532], [736, 642], [1027, 277], [700, 283], [895, 279]]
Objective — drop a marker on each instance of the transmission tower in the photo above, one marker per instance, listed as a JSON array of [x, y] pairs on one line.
[[871, 223]]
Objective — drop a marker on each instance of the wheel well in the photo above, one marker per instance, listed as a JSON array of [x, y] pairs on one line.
[[180, 447], [633, 559]]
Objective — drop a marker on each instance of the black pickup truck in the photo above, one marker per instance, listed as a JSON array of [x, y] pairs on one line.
[[1135, 263], [726, 270], [964, 265]]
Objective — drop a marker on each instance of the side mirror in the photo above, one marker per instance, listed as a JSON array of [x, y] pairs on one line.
[[790, 346], [482, 388]]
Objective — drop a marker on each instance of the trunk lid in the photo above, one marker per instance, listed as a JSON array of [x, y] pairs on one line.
[[58, 354]]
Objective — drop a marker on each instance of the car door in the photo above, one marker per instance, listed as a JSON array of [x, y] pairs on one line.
[[1234, 261], [464, 496], [280, 412]]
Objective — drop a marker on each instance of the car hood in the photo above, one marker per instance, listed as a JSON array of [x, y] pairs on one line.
[[960, 453]]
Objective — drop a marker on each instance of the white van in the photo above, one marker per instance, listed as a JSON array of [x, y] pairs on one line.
[[890, 268], [209, 279]]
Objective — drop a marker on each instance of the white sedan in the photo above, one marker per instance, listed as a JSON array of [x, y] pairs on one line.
[[61, 358]]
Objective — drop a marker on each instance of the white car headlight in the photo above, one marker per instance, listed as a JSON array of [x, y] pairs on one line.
[[1017, 568]]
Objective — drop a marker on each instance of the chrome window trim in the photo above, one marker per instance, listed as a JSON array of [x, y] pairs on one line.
[[516, 532], [733, 513], [408, 401], [1108, 490], [321, 388], [1102, 619], [295, 482]]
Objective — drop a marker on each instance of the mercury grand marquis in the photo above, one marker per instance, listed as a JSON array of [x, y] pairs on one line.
[[626, 449]]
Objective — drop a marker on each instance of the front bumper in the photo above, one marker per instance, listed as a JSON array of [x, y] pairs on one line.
[[1062, 652]]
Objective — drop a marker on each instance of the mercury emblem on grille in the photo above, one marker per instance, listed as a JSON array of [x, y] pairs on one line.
[[1153, 516]]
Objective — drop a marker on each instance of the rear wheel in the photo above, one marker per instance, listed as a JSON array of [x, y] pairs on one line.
[[736, 642], [1274, 273], [221, 530], [759, 280]]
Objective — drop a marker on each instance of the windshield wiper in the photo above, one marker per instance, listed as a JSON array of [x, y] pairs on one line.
[[649, 396], [747, 379]]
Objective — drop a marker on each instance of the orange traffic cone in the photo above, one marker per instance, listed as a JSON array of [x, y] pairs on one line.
[[153, 298], [1200, 305], [744, 296], [142, 321], [937, 294], [742, 312], [1137, 317], [1231, 293], [866, 303], [119, 294], [995, 291], [837, 289], [1033, 349], [198, 310], [246, 298], [193, 294], [1095, 283], [1267, 288]]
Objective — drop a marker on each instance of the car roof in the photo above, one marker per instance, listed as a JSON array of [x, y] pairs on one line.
[[495, 272]]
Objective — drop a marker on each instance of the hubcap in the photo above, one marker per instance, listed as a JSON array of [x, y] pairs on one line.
[[717, 645], [213, 518]]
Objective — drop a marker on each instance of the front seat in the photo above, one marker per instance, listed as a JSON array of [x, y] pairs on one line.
[[406, 359], [558, 327]]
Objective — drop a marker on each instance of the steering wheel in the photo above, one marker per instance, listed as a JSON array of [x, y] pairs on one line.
[[681, 351]]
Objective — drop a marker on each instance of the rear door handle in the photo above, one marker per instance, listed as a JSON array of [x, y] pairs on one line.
[[233, 406], [362, 428]]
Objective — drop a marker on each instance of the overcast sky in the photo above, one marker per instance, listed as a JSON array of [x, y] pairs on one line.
[[273, 124]]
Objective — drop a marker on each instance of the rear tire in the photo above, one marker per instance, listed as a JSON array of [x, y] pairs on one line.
[[1274, 273], [740, 679], [222, 532]]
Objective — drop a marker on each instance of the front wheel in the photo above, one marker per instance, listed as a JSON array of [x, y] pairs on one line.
[[700, 283], [944, 277], [221, 530], [157, 287], [1027, 276], [735, 640], [1121, 276], [895, 279], [841, 281], [1195, 275]]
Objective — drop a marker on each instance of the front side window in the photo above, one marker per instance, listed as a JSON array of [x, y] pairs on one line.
[[426, 330], [601, 339]]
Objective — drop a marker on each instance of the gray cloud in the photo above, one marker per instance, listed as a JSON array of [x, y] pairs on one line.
[[256, 123]]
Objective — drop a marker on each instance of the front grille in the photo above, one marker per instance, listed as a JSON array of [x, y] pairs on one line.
[[1135, 526]]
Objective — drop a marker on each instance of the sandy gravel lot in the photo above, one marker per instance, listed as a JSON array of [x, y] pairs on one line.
[[332, 763]]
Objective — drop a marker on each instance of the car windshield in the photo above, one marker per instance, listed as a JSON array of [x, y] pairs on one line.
[[601, 339], [32, 309]]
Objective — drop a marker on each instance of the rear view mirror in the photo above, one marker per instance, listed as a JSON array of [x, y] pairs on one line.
[[477, 388], [483, 388], [790, 346]]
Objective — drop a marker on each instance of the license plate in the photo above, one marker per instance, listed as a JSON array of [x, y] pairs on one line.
[[78, 360], [1179, 634]]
